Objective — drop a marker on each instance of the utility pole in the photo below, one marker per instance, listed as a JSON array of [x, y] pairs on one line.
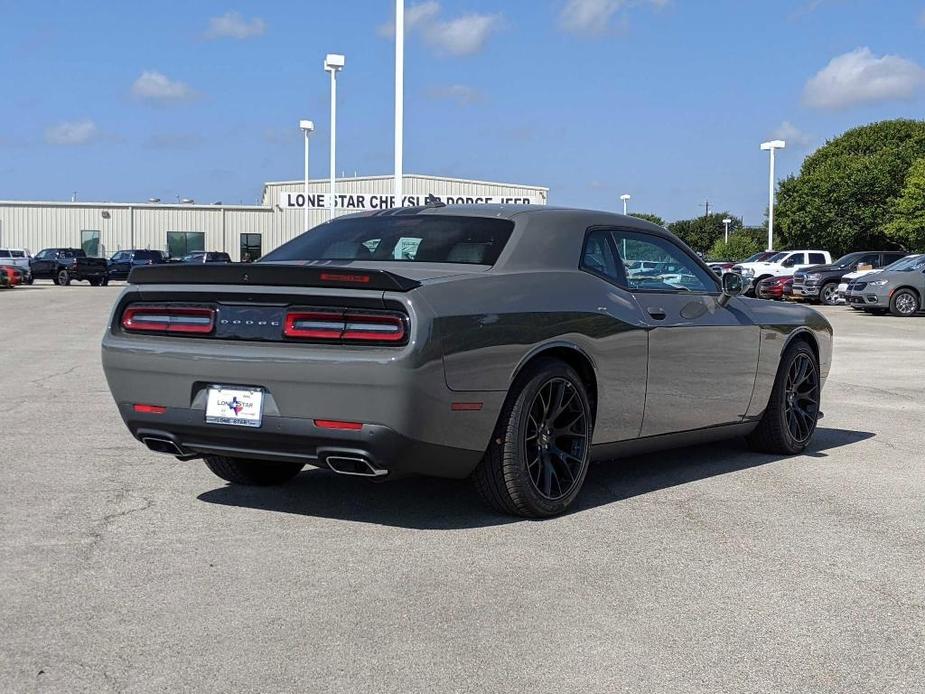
[[706, 206]]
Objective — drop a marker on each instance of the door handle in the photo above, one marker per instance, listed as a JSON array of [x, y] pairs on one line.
[[657, 312]]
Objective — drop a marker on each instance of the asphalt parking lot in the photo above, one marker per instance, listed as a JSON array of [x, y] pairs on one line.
[[700, 570]]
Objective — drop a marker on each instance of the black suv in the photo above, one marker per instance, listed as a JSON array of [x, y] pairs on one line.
[[819, 283], [123, 261], [204, 257]]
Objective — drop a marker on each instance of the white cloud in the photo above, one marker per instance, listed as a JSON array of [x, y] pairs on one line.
[[462, 94], [72, 133], [792, 135], [155, 86], [595, 17], [415, 16], [463, 35], [859, 77], [232, 25]]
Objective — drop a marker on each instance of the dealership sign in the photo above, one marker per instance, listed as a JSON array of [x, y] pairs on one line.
[[364, 201]]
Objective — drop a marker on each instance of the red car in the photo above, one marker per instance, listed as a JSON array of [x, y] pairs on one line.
[[9, 276], [775, 288]]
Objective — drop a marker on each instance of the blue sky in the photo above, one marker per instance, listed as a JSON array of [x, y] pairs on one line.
[[664, 99]]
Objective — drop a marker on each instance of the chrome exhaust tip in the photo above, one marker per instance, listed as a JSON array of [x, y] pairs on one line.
[[357, 467], [167, 446]]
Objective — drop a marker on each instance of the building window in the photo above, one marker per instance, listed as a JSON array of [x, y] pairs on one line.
[[251, 247], [90, 242], [181, 243]]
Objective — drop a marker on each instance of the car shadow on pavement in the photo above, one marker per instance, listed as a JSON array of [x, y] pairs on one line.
[[435, 504]]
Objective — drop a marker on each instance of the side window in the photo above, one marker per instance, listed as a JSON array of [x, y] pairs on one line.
[[656, 264], [597, 256], [890, 258], [794, 259], [872, 259], [816, 259]]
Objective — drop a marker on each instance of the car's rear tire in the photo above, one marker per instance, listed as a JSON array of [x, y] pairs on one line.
[[257, 473], [63, 278], [828, 294], [904, 303], [95, 281], [539, 453], [104, 282], [790, 418]]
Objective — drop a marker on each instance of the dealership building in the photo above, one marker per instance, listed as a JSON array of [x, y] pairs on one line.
[[243, 231]]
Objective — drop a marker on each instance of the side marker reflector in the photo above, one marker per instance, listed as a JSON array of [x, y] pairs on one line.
[[466, 406], [334, 424], [149, 409]]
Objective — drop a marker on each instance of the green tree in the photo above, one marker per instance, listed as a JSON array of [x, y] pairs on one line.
[[740, 247], [908, 226], [846, 194], [702, 232], [649, 217]]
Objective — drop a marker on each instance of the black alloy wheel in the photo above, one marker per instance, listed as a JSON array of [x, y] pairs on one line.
[[801, 404], [789, 421], [540, 451], [556, 439], [64, 279], [828, 295]]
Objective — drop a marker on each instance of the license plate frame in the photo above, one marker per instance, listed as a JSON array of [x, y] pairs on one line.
[[221, 401]]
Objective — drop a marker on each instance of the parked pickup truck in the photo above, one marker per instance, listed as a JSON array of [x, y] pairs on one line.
[[123, 261], [819, 283], [63, 265], [783, 263]]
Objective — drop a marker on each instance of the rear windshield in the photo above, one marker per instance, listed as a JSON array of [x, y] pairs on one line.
[[149, 255], [419, 239]]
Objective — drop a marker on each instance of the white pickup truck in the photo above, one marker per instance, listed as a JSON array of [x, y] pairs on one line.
[[780, 265]]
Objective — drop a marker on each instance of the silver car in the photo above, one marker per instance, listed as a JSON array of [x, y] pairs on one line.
[[898, 288], [510, 344]]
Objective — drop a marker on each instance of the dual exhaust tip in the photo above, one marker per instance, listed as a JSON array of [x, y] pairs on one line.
[[354, 466], [341, 464]]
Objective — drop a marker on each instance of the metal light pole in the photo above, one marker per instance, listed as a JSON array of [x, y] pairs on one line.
[[399, 97], [771, 147], [726, 223], [333, 63], [625, 198], [307, 127]]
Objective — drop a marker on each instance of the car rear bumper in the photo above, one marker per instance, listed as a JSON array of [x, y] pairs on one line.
[[289, 439], [411, 420]]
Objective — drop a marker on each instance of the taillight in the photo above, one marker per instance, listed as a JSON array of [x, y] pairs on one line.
[[345, 327], [169, 319]]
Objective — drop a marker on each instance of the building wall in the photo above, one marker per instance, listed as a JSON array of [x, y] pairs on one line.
[[36, 225]]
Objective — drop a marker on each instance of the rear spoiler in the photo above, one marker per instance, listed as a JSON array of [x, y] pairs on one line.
[[271, 275]]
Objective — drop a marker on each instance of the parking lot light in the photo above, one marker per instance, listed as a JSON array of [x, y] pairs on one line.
[[333, 63], [726, 223], [625, 198], [308, 127], [771, 147]]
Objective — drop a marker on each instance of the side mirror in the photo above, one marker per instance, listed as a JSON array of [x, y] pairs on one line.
[[733, 285]]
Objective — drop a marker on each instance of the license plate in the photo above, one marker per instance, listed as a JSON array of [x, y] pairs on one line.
[[241, 407]]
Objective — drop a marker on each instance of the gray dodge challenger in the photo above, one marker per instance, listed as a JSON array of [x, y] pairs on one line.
[[513, 345]]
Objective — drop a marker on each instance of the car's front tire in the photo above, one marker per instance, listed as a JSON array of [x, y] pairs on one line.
[[904, 303], [538, 457], [789, 421], [256, 473], [828, 294]]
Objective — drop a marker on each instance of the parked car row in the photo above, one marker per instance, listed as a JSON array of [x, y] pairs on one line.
[[873, 281], [65, 265]]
